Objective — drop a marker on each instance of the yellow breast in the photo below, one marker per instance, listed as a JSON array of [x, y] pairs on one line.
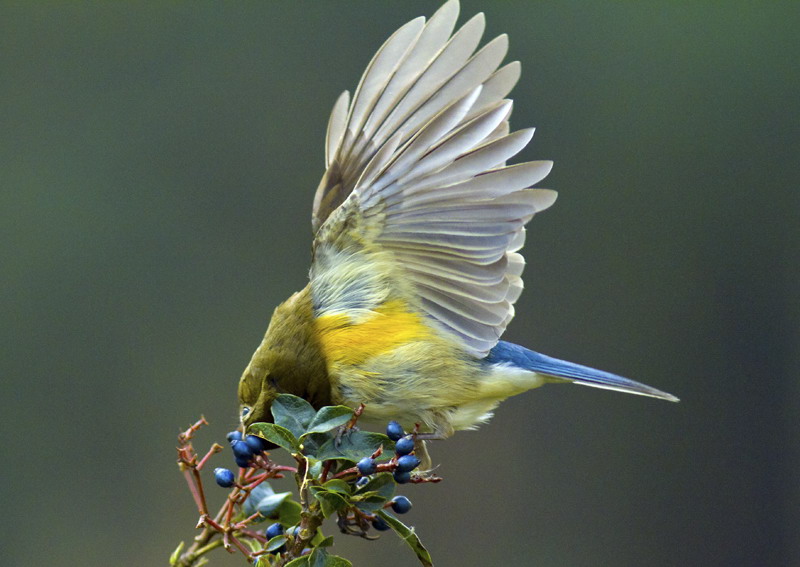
[[393, 324]]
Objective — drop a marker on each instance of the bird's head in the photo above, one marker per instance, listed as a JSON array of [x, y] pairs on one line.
[[257, 390], [288, 361]]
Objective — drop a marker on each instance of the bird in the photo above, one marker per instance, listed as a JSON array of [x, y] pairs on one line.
[[418, 223]]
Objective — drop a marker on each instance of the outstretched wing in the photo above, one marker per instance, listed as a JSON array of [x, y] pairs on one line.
[[417, 181]]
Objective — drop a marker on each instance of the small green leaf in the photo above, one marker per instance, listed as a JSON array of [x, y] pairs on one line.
[[268, 507], [314, 467], [277, 434], [370, 501], [275, 543], [353, 447], [381, 482], [299, 562], [373, 495], [265, 501], [329, 417], [263, 490], [324, 542], [173, 559], [409, 536], [330, 502], [321, 558], [313, 441], [289, 513], [292, 413], [318, 538], [338, 485]]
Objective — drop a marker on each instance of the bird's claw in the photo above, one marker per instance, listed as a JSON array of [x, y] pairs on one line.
[[354, 525], [343, 432]]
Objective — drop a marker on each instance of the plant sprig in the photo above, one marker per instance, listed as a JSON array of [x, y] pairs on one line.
[[340, 472]]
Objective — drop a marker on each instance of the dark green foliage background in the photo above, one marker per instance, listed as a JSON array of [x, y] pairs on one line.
[[157, 164]]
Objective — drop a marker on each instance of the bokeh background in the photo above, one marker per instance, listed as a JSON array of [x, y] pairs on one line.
[[157, 164]]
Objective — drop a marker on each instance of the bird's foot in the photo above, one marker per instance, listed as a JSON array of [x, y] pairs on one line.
[[343, 432], [355, 524]]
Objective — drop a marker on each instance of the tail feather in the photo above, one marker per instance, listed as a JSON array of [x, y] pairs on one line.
[[521, 357]]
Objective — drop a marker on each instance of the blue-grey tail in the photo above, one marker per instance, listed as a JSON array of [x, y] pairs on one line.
[[521, 357]]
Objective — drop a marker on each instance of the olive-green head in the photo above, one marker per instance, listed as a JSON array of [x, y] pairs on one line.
[[256, 393], [288, 361]]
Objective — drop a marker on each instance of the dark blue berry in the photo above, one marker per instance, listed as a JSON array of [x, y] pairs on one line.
[[241, 449], [224, 477], [234, 436], [257, 444], [401, 477], [362, 482], [394, 431], [242, 453], [274, 530], [367, 466], [404, 445], [380, 524], [401, 504], [407, 463]]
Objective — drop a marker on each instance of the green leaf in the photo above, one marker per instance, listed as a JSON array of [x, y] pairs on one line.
[[338, 485], [289, 513], [373, 495], [381, 482], [324, 542], [265, 501], [173, 559], [370, 502], [275, 543], [269, 506], [330, 502], [318, 538], [409, 536], [277, 434], [329, 417], [263, 490], [299, 562], [314, 467], [353, 447], [313, 441], [292, 413], [321, 558]]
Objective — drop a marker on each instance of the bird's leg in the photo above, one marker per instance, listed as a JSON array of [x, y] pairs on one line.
[[429, 436], [421, 450]]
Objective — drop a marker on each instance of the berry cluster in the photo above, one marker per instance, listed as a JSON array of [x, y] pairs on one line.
[[403, 463], [404, 460], [326, 445], [244, 450], [403, 448]]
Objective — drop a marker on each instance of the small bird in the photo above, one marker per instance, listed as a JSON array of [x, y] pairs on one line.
[[418, 223]]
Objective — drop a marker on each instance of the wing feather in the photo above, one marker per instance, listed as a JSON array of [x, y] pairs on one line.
[[417, 183]]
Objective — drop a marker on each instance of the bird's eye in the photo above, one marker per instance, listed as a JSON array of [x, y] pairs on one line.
[[245, 411]]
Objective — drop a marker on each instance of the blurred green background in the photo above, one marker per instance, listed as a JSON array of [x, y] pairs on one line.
[[157, 165]]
